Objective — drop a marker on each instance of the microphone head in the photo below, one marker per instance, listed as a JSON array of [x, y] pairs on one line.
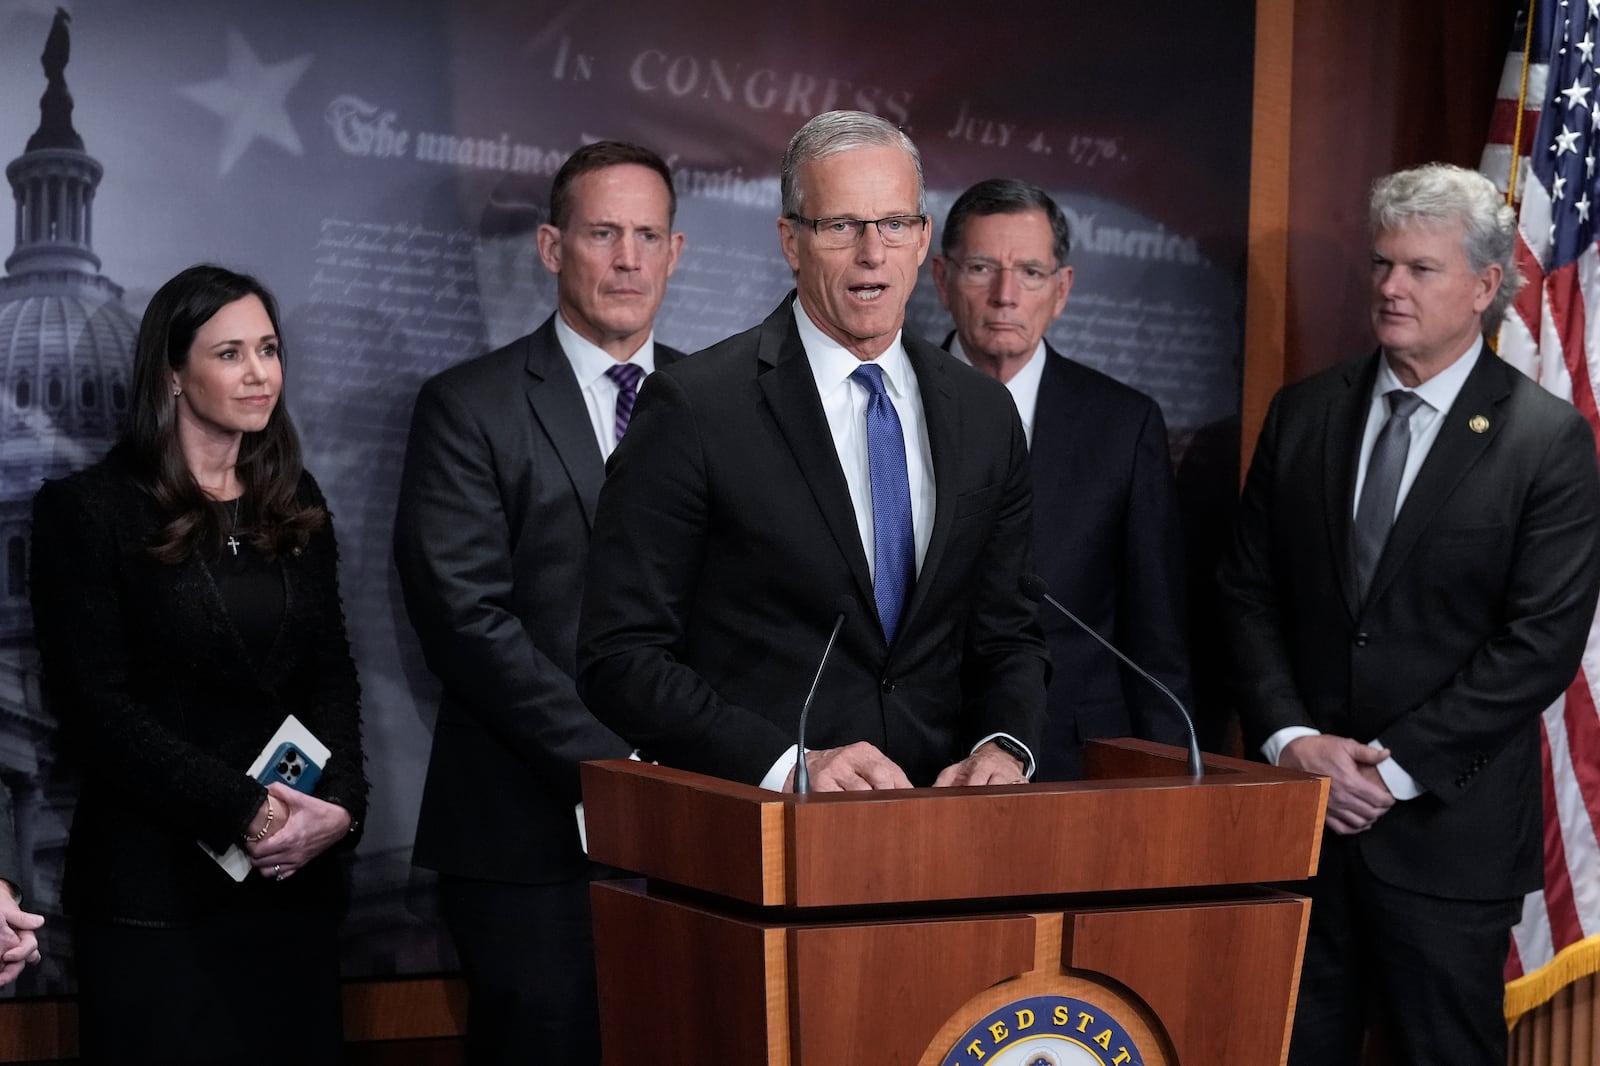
[[845, 605], [1033, 587]]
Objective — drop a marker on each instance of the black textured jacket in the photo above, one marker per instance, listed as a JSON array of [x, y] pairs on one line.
[[163, 709]]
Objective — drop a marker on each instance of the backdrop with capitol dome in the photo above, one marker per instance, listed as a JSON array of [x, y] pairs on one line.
[[383, 168]]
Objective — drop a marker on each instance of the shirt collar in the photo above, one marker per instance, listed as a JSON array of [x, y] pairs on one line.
[[1024, 384], [590, 361], [1439, 391], [832, 364]]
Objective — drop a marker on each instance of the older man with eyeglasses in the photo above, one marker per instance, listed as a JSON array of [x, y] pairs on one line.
[[1107, 538], [823, 472]]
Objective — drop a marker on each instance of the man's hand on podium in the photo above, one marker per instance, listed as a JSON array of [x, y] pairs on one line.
[[857, 767], [989, 765]]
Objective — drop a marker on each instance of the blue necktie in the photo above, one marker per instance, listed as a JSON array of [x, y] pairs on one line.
[[893, 549]]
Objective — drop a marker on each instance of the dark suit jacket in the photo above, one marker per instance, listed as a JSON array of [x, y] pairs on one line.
[[725, 545], [1108, 542], [163, 707], [1474, 622], [491, 533]]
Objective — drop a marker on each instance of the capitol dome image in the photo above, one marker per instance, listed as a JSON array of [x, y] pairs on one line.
[[66, 349]]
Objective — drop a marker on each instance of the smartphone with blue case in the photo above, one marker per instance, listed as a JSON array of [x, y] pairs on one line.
[[292, 766]]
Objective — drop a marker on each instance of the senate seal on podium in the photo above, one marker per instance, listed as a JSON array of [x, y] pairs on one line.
[[1046, 1030]]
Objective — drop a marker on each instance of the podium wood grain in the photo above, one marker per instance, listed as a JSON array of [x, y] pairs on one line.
[[865, 927]]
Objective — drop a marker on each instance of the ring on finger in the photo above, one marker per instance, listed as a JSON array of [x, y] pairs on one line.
[[277, 871]]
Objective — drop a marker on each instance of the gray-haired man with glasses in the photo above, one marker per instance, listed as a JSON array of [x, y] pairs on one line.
[[1106, 533], [823, 468]]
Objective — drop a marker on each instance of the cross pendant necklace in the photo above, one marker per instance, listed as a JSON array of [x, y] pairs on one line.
[[233, 524]]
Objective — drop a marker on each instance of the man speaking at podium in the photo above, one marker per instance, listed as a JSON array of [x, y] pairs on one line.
[[823, 466]]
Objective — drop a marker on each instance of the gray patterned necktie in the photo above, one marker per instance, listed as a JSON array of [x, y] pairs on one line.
[[1375, 511]]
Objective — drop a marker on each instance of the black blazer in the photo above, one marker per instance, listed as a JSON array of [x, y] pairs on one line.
[[163, 708], [1475, 620], [491, 533], [725, 545], [1108, 542]]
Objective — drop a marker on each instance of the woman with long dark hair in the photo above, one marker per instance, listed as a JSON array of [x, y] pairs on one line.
[[186, 602]]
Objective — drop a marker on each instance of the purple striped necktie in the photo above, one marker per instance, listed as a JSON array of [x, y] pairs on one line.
[[626, 376]]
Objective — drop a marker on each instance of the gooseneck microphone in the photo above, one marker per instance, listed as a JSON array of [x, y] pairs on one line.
[[802, 776], [1033, 587]]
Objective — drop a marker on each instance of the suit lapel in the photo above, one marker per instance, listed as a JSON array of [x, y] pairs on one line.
[[559, 408], [1048, 451], [943, 419], [785, 378], [1347, 423], [1454, 451]]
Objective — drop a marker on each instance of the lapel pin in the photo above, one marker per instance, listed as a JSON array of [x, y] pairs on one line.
[[1478, 424]]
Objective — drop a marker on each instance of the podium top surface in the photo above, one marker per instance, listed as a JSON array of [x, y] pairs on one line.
[[1136, 822]]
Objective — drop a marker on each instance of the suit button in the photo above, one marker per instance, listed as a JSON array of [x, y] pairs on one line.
[[887, 686], [1361, 640]]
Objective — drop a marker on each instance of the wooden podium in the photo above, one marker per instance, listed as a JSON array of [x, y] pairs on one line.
[[880, 927]]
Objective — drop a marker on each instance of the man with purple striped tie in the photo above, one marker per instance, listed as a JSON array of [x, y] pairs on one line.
[[823, 465], [503, 467]]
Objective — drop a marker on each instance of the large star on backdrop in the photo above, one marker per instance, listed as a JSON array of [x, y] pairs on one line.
[[250, 100]]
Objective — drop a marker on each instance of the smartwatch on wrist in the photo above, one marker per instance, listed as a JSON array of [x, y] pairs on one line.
[[1013, 749]]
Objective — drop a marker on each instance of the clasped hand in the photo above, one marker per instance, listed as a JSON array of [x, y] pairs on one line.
[[19, 939], [304, 828], [1357, 795]]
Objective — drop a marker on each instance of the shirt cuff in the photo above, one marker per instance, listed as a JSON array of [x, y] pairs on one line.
[[1401, 784], [1027, 767], [1275, 744], [779, 773]]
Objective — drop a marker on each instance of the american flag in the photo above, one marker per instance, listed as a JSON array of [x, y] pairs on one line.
[[1549, 336]]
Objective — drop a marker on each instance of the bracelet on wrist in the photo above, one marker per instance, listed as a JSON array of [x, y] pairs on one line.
[[256, 838]]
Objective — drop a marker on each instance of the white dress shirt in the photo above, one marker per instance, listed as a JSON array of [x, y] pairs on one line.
[[1024, 384], [1438, 395], [590, 363], [844, 403]]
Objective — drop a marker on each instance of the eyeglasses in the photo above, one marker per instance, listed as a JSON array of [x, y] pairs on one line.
[[896, 231], [978, 273]]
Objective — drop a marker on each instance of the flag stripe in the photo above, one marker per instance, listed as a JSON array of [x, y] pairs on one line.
[[1579, 832], [1560, 910], [1503, 124], [1567, 311]]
